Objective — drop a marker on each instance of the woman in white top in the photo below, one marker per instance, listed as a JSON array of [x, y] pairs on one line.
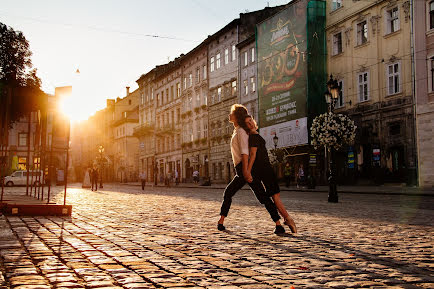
[[240, 158]]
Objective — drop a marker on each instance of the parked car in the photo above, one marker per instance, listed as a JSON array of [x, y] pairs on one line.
[[19, 178]]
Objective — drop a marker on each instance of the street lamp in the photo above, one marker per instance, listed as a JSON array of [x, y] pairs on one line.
[[101, 152], [275, 140], [331, 96]]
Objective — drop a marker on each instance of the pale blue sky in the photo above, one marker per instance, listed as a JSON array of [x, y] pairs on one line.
[[106, 39]]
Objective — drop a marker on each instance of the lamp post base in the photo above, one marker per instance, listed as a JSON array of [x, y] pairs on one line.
[[333, 197]]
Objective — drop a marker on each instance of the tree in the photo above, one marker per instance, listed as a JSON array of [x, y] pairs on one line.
[[20, 90], [14, 56]]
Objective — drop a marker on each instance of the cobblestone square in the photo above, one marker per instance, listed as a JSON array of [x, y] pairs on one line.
[[122, 237]]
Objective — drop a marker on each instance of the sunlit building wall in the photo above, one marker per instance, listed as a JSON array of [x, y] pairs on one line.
[[194, 112], [369, 53], [168, 155], [125, 145], [145, 131], [424, 87]]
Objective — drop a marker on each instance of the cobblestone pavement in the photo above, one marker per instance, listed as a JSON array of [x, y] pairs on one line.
[[121, 237]]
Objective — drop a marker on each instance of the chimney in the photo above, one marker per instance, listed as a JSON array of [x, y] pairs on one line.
[[128, 90]]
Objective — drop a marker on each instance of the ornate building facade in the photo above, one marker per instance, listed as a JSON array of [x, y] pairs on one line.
[[369, 52]]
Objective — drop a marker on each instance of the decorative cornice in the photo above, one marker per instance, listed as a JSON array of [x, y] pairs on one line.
[[406, 8]]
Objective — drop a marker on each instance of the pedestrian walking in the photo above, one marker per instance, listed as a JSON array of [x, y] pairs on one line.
[[176, 178], [240, 155], [86, 181], [95, 179], [168, 178], [260, 168], [287, 174], [196, 176], [300, 176], [143, 179]]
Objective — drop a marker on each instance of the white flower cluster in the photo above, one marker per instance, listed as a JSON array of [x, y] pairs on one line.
[[272, 157], [332, 131]]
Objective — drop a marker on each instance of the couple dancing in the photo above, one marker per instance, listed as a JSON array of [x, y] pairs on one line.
[[252, 166]]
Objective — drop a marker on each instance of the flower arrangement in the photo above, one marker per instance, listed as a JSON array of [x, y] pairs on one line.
[[332, 131]]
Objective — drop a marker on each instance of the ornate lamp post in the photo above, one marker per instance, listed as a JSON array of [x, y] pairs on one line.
[[101, 164], [275, 140], [331, 95]]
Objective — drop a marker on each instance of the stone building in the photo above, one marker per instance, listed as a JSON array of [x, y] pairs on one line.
[[194, 112], [224, 86], [247, 64], [424, 89], [125, 145], [145, 131], [369, 51], [167, 83]]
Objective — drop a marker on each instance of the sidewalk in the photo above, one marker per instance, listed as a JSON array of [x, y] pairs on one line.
[[382, 189]]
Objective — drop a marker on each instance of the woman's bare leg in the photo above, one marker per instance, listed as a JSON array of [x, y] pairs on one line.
[[281, 208]]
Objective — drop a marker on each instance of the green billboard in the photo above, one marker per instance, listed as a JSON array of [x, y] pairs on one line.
[[282, 75]]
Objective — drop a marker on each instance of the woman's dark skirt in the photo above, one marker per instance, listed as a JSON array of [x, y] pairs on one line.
[[268, 178]]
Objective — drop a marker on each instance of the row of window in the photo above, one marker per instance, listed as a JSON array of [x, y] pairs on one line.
[[393, 86], [188, 80], [120, 131], [251, 84], [200, 131], [200, 99], [169, 118], [252, 56], [392, 25], [215, 61], [168, 143]]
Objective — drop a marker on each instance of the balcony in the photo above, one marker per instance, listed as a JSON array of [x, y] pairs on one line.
[[146, 129], [168, 130]]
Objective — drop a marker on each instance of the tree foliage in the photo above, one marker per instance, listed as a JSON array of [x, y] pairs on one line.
[[17, 78], [15, 56]]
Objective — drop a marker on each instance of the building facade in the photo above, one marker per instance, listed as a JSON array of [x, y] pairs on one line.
[[247, 63], [423, 11], [125, 147], [168, 155], [369, 51], [224, 86], [194, 112], [223, 92], [145, 131]]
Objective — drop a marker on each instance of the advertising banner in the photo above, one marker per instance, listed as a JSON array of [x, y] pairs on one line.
[[282, 81]]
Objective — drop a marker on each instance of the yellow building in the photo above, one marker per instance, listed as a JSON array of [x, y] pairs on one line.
[[369, 53]]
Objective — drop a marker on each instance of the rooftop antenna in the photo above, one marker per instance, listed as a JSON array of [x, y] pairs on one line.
[[268, 4]]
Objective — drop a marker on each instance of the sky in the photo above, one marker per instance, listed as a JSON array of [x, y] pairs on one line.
[[113, 42]]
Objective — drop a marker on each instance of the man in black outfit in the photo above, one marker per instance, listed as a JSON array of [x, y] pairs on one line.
[[95, 178]]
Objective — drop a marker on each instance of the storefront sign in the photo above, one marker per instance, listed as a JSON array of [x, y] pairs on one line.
[[312, 160], [376, 154], [351, 160]]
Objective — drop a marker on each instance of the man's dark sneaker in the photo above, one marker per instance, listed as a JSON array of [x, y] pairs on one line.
[[220, 227], [279, 230]]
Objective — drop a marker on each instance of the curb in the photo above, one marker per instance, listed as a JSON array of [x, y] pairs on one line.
[[416, 194]]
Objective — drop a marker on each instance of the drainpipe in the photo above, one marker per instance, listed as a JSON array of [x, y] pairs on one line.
[[414, 170]]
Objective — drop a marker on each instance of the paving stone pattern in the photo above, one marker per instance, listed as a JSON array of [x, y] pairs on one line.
[[121, 237]]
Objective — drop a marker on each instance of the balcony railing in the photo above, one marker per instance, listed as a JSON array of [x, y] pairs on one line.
[[144, 129]]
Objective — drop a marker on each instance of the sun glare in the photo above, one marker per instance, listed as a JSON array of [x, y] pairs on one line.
[[73, 102], [73, 108]]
